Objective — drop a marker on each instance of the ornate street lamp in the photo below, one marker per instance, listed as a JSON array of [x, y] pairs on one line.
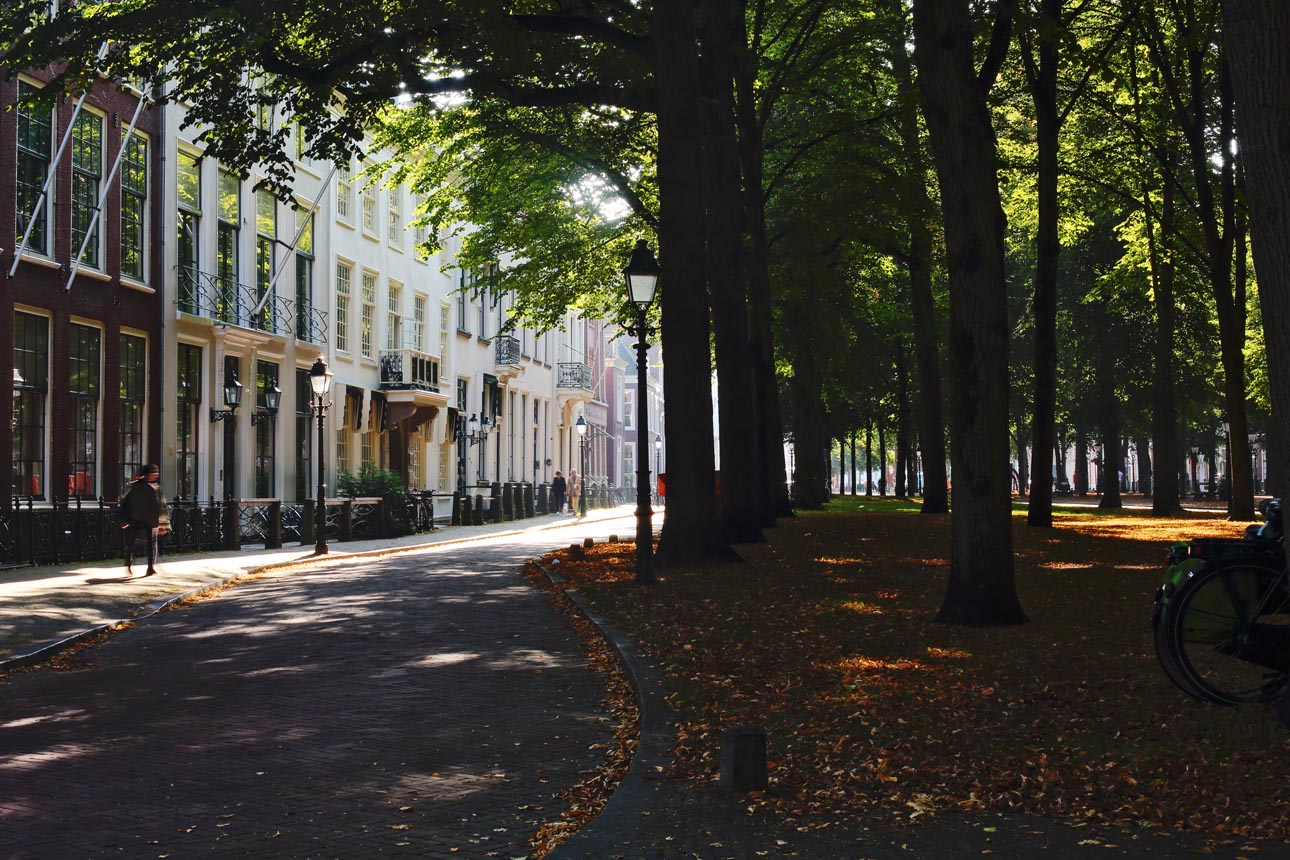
[[581, 426], [641, 277], [232, 399], [272, 397], [320, 384]]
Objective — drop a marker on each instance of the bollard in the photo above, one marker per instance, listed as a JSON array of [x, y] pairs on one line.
[[613, 539], [457, 502], [347, 520], [273, 534], [307, 536], [479, 510], [743, 759], [588, 542], [232, 524], [577, 552]]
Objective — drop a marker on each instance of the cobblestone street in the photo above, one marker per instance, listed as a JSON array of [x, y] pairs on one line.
[[431, 704]]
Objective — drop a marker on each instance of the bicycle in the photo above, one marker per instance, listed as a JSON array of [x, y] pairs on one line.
[[1222, 620]]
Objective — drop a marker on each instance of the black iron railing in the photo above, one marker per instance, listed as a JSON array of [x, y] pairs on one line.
[[572, 374]]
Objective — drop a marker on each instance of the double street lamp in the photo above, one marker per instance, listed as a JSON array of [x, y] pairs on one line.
[[320, 384], [658, 470], [641, 277]]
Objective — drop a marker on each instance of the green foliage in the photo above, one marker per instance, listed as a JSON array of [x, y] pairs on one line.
[[371, 481]]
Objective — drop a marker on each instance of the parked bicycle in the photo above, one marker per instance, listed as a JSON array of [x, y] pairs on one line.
[[1221, 621]]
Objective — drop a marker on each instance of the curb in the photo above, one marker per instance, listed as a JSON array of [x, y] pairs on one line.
[[644, 776], [49, 649]]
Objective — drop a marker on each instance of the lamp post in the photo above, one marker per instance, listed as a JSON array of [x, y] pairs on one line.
[[320, 384], [641, 277], [581, 426]]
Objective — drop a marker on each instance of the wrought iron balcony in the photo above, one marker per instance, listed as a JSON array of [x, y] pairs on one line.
[[573, 374], [227, 301], [508, 350], [311, 324], [409, 369]]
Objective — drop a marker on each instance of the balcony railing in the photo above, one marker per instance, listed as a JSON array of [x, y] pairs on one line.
[[573, 374], [311, 324], [508, 350], [409, 369], [225, 300]]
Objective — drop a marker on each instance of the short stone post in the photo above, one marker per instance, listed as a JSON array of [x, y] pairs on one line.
[[307, 536], [743, 759], [508, 503], [232, 524], [458, 501], [530, 501], [347, 520], [478, 518], [273, 534], [497, 501]]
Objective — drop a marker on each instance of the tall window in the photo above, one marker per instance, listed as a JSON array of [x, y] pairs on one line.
[[266, 228], [34, 139], [342, 451], [188, 412], [226, 250], [629, 409], [304, 435], [345, 193], [134, 200], [422, 231], [420, 337], [344, 278], [266, 439], [462, 304], [305, 277], [445, 314], [30, 390], [189, 191], [87, 174], [370, 192], [83, 344], [367, 315], [394, 316], [368, 449], [396, 217], [134, 381]]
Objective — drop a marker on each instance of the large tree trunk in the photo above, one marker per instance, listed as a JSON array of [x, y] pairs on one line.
[[810, 441], [740, 487], [1257, 34], [1144, 466], [691, 530], [1219, 239], [761, 341], [931, 417], [868, 458], [982, 585], [1043, 86]]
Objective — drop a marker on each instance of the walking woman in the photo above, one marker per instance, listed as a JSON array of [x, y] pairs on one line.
[[144, 514]]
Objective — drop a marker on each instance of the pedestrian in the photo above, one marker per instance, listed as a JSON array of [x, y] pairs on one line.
[[144, 514], [558, 488], [575, 490]]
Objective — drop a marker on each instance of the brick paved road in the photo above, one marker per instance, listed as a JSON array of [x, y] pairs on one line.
[[429, 705]]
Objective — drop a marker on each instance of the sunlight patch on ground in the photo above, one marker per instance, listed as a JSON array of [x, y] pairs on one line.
[[862, 608]]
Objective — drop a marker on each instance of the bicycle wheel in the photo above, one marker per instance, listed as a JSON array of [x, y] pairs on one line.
[[1161, 618], [1231, 630]]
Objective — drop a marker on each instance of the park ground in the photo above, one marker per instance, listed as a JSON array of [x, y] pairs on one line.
[[824, 636]]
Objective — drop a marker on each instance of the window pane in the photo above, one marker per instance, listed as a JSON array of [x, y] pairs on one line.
[[189, 182]]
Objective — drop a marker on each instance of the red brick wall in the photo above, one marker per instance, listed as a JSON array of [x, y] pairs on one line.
[[105, 303]]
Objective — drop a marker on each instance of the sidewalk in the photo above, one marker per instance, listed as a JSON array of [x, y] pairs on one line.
[[44, 609]]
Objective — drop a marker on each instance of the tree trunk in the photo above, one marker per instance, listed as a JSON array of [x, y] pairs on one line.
[[868, 460], [931, 417], [1144, 466], [741, 489], [1043, 86], [761, 342], [810, 442], [1257, 34], [853, 462], [691, 530], [1081, 462], [1165, 499], [903, 429], [1108, 473], [982, 584], [882, 460], [1219, 240]]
